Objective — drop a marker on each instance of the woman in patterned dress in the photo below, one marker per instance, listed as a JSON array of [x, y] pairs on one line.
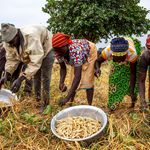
[[81, 55], [122, 78]]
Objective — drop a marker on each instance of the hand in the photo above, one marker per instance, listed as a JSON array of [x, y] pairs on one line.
[[16, 84], [63, 101], [62, 87], [97, 72], [4, 79]]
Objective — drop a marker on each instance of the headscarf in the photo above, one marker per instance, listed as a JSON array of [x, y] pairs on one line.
[[119, 46], [148, 40], [60, 40]]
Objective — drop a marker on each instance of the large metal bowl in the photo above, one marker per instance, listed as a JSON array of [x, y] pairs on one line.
[[84, 111], [7, 98]]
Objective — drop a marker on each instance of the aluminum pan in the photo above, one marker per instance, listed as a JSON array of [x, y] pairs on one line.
[[6, 97], [85, 111]]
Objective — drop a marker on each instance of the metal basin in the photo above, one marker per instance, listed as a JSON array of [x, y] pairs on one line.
[[7, 98], [84, 111]]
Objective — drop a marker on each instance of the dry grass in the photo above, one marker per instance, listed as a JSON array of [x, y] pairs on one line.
[[24, 128]]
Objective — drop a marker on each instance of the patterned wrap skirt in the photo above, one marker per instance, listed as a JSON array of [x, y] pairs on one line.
[[119, 80]]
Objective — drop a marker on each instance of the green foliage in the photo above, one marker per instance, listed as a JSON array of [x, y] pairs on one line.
[[44, 127], [30, 118], [48, 110], [96, 19]]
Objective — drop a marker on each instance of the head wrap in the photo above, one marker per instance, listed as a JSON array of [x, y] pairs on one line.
[[148, 42], [119, 46], [60, 40], [148, 39], [8, 32]]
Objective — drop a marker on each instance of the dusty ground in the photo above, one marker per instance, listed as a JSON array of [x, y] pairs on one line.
[[23, 128]]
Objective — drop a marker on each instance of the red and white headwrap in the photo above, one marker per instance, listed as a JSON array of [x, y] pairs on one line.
[[60, 40], [148, 42]]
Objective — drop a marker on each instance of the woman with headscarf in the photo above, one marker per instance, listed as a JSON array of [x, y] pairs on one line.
[[81, 55], [122, 78]]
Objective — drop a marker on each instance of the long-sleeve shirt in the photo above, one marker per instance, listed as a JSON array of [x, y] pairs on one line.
[[37, 42]]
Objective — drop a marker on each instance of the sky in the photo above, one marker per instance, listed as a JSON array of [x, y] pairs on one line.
[[25, 12]]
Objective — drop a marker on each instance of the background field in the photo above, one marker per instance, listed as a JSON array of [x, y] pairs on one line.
[[24, 128]]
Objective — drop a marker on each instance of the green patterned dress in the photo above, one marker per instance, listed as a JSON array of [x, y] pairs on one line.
[[119, 80]]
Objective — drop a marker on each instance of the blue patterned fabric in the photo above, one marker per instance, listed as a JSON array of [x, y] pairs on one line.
[[119, 45]]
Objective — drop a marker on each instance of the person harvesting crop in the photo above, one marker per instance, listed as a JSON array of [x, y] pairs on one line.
[[81, 55], [122, 79]]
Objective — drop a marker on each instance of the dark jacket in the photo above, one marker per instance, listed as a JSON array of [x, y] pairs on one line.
[[2, 60]]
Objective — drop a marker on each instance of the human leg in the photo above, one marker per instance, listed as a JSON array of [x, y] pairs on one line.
[[37, 85], [46, 69], [89, 94]]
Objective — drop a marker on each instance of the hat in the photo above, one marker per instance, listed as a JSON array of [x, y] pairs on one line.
[[119, 46], [60, 40], [8, 32]]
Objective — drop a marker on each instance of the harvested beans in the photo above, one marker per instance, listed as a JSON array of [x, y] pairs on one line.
[[77, 127]]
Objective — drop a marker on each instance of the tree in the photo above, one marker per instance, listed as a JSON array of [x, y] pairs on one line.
[[97, 19]]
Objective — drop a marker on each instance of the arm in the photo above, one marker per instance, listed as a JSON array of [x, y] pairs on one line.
[[132, 77], [74, 86], [97, 66], [105, 55], [34, 55], [11, 61], [63, 72], [10, 66], [143, 66], [5, 78], [98, 62], [132, 83], [76, 81]]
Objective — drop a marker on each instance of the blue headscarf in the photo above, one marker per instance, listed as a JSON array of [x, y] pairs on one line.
[[119, 44]]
